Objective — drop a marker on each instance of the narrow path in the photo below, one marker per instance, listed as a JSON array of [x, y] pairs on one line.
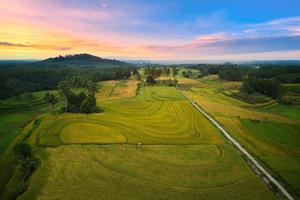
[[241, 149]]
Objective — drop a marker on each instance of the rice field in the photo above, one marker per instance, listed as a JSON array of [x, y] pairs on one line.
[[151, 146], [270, 131], [15, 114]]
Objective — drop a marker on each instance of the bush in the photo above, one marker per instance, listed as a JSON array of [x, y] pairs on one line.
[[22, 150], [27, 163]]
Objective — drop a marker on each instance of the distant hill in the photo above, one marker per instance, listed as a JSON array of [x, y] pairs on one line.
[[16, 61], [81, 60]]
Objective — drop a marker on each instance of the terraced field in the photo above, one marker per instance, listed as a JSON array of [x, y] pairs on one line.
[[270, 131], [151, 146], [17, 113]]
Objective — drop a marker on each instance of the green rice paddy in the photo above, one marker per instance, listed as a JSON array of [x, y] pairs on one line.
[[151, 146]]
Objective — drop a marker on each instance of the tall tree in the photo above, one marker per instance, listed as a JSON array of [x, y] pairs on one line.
[[175, 72], [64, 89]]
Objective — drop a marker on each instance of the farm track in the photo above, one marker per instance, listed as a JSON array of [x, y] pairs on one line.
[[249, 157]]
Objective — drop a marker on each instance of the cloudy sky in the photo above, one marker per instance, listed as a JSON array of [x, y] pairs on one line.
[[215, 30]]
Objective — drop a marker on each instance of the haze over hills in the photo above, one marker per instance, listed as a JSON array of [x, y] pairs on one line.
[[88, 60]]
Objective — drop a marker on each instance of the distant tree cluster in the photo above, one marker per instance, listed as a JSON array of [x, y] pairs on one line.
[[153, 71], [166, 71], [264, 79], [50, 99], [187, 73], [232, 73], [150, 80], [136, 73], [16, 80], [175, 71], [269, 87]]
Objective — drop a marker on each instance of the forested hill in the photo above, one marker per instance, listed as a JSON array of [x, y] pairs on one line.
[[21, 77], [81, 60]]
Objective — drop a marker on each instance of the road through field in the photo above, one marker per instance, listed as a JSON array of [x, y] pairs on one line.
[[241, 149]]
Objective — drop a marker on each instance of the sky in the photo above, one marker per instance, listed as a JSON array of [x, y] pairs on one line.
[[181, 30]]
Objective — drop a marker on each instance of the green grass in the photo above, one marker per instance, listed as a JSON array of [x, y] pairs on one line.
[[270, 131], [180, 156]]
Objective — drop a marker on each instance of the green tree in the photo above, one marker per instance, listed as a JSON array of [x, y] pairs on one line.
[[92, 87], [92, 98], [14, 87], [64, 89], [175, 72], [23, 150], [86, 106], [247, 86], [50, 99], [74, 101], [150, 80]]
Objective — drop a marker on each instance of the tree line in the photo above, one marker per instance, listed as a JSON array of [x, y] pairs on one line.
[[264, 79], [16, 80]]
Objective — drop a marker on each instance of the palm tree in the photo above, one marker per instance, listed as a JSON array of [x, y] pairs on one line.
[[92, 87], [51, 99], [64, 89], [175, 72]]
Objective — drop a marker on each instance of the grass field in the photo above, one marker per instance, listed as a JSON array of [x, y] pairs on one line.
[[151, 146], [271, 131]]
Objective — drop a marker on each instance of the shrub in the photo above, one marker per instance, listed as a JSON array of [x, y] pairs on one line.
[[22, 150], [27, 163]]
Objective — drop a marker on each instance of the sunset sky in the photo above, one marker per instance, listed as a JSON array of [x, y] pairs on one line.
[[215, 30]]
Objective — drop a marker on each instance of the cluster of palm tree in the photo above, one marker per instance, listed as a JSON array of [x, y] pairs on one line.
[[65, 90]]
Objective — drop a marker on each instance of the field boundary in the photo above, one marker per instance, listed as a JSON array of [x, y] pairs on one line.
[[262, 171]]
